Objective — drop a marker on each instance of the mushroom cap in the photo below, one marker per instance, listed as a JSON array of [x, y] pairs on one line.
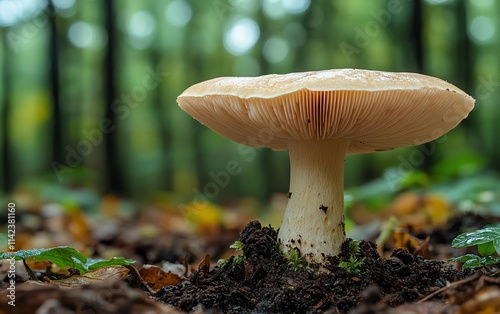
[[376, 110]]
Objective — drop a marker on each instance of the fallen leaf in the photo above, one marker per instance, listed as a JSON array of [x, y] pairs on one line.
[[104, 297], [157, 277], [404, 204], [110, 206], [485, 301], [204, 265], [437, 209], [404, 240], [106, 273], [206, 219], [424, 308], [178, 269], [77, 224]]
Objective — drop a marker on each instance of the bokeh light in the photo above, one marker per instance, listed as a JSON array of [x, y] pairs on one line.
[[296, 6], [273, 9], [482, 29], [241, 35], [178, 13], [142, 24], [63, 4], [12, 12], [82, 34], [275, 49], [140, 28], [9, 13]]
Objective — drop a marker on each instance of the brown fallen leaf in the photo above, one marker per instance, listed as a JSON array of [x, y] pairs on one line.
[[106, 297], [431, 307], [157, 277], [113, 273], [485, 301], [76, 223], [40, 265], [204, 265]]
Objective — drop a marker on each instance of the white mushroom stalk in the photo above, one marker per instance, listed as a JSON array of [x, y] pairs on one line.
[[314, 217]]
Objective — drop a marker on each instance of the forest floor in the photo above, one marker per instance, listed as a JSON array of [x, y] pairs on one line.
[[175, 274]]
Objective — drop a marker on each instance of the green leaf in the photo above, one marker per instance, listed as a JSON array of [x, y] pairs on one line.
[[62, 256], [66, 257], [115, 261], [465, 258], [472, 263], [468, 260], [490, 260], [477, 237], [496, 243], [486, 249]]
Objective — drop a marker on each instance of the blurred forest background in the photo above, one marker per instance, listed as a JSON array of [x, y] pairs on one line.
[[88, 92]]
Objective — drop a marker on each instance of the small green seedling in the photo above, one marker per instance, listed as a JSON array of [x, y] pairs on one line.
[[354, 263], [353, 247], [222, 262], [237, 246], [294, 259], [488, 244]]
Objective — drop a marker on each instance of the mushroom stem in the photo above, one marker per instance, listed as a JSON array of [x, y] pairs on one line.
[[314, 217]]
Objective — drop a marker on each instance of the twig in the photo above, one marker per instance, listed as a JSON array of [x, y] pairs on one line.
[[31, 274], [454, 284], [132, 267]]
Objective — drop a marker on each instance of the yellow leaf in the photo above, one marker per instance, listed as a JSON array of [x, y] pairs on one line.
[[206, 217], [437, 209], [404, 240]]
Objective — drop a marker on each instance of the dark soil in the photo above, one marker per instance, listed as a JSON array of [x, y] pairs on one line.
[[265, 282]]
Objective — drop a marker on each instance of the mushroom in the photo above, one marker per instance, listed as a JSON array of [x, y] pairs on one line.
[[320, 117]]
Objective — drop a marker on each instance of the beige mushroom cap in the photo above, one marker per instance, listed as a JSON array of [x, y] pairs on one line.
[[375, 110]]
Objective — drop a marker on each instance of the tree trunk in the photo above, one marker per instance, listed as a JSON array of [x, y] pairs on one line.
[[7, 178], [57, 134], [416, 35], [113, 175], [165, 174]]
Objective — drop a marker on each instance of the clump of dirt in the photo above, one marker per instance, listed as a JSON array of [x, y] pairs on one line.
[[263, 280]]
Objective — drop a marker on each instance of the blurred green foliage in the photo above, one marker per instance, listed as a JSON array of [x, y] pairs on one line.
[[163, 47]]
